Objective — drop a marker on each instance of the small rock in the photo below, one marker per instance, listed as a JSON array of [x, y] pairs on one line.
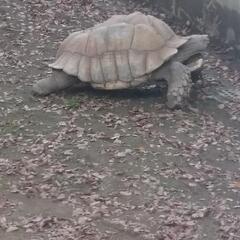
[[12, 229], [61, 196], [221, 106], [68, 152]]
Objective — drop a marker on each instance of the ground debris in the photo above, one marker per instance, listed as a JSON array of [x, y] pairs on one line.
[[92, 165]]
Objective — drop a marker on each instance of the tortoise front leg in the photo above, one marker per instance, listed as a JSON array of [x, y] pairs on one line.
[[57, 82], [179, 84]]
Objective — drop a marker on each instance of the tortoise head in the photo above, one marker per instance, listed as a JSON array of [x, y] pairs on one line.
[[202, 40]]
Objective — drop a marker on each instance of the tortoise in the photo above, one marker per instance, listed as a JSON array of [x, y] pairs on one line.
[[124, 52]]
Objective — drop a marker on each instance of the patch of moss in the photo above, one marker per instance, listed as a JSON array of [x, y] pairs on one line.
[[11, 127], [72, 103]]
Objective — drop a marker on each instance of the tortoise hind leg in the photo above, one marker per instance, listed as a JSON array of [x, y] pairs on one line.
[[179, 84], [57, 82]]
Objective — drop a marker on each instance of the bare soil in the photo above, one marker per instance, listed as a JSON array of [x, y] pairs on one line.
[[87, 164]]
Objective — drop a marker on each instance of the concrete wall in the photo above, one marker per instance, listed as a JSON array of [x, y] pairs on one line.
[[230, 4], [219, 18]]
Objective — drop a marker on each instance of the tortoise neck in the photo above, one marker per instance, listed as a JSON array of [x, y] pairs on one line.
[[195, 45]]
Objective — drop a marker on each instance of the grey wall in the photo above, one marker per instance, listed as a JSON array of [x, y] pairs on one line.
[[230, 4], [219, 18]]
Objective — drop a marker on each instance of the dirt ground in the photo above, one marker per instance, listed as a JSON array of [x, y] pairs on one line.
[[86, 164]]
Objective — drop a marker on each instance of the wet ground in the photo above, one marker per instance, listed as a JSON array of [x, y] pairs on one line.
[[88, 164]]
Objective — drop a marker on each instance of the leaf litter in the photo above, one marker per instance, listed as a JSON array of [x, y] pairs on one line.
[[127, 167]]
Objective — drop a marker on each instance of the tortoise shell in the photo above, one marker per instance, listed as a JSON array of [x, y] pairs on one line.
[[118, 53]]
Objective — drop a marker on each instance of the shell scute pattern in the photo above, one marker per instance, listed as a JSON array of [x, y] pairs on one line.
[[123, 66], [119, 53]]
